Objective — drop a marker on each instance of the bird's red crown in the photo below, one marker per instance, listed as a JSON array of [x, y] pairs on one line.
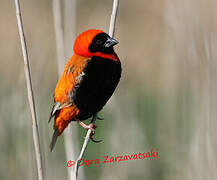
[[84, 40]]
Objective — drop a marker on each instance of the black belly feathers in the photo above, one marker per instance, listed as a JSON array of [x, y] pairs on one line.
[[99, 80]]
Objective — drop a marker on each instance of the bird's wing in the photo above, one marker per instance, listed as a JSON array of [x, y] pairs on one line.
[[65, 89], [56, 107]]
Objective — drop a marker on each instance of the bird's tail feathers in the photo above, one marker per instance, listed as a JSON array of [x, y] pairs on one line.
[[54, 139]]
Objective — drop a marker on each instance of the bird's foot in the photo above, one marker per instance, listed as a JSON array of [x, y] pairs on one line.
[[92, 127], [100, 118]]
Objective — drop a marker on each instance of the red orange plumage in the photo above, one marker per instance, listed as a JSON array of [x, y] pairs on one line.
[[88, 81]]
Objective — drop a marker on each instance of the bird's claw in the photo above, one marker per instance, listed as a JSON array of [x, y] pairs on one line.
[[92, 139], [92, 127], [100, 118]]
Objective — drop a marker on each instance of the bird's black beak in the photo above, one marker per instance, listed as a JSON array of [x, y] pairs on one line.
[[110, 42]]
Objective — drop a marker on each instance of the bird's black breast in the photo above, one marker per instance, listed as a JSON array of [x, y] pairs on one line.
[[100, 78]]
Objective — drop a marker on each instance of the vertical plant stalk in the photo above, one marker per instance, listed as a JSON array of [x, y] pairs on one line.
[[63, 42], [86, 140], [59, 35], [30, 92], [71, 133], [111, 33], [113, 18]]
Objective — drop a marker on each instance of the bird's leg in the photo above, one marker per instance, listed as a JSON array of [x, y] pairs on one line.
[[93, 132], [91, 126]]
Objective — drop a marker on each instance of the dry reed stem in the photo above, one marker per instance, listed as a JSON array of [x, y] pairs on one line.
[[30, 92], [69, 19], [86, 140], [113, 18], [60, 34], [111, 33]]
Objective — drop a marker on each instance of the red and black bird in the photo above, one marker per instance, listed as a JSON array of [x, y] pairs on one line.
[[88, 81]]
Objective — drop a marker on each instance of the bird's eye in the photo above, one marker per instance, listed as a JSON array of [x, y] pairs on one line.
[[98, 42]]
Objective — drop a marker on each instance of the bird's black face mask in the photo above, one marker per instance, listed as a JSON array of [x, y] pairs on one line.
[[103, 43]]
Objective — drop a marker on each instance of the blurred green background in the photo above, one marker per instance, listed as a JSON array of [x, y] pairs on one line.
[[167, 97]]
